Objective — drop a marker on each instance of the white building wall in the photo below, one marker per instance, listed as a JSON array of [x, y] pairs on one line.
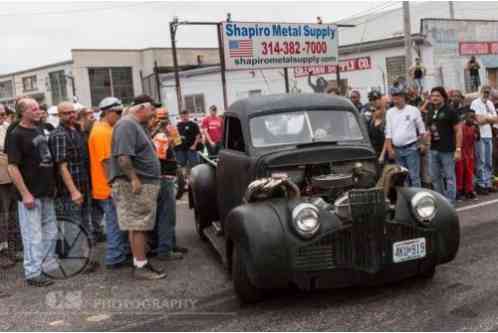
[[85, 59], [43, 90]]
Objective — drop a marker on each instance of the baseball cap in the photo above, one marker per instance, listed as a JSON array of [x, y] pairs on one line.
[[110, 103], [398, 91], [141, 99], [374, 94]]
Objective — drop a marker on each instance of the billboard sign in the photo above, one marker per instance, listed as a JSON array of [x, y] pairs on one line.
[[249, 46], [345, 65]]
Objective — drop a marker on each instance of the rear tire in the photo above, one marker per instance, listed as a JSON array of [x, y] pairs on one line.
[[244, 289]]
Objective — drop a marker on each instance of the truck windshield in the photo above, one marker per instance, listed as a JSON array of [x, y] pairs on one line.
[[300, 127]]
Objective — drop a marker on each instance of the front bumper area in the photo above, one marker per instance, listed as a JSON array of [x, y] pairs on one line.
[[344, 258]]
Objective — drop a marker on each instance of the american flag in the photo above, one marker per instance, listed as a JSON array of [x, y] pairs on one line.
[[240, 48]]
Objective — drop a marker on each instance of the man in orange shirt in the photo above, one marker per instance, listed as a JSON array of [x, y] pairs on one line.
[[99, 147]]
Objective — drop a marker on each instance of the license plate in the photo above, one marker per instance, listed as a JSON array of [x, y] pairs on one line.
[[409, 250]]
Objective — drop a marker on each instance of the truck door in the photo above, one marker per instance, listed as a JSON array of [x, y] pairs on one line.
[[232, 173]]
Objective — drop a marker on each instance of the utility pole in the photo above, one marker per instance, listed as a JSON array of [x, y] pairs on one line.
[[408, 38], [172, 30], [452, 10]]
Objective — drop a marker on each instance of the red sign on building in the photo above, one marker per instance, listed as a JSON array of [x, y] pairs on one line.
[[347, 65], [477, 48]]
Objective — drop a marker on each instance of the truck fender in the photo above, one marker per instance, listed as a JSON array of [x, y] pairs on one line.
[[446, 222], [203, 191], [259, 230]]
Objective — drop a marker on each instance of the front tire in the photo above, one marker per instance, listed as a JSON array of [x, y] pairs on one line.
[[244, 289]]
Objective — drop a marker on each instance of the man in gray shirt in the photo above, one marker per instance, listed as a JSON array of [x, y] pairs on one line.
[[135, 177]]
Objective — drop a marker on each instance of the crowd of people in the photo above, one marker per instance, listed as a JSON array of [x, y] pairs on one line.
[[117, 168], [118, 173], [446, 141]]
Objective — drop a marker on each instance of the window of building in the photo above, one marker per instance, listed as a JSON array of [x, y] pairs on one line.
[[395, 68], [6, 89], [234, 135], [29, 83], [111, 81], [255, 92], [58, 86], [195, 103]]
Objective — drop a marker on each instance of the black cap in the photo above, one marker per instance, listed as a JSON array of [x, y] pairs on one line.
[[398, 91], [374, 94], [146, 99]]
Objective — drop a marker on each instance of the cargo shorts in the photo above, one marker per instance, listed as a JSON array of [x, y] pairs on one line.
[[136, 212]]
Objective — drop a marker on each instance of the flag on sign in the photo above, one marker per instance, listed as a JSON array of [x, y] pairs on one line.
[[240, 48]]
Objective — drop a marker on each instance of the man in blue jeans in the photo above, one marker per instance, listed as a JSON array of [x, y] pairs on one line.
[[99, 147], [186, 152], [31, 168], [164, 234], [443, 123], [404, 125], [486, 117]]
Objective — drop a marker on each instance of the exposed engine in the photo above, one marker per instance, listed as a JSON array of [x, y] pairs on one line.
[[330, 180], [327, 185]]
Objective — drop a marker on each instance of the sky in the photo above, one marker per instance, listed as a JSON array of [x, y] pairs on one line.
[[39, 33]]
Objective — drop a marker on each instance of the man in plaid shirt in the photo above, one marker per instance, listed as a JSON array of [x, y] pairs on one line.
[[70, 154]]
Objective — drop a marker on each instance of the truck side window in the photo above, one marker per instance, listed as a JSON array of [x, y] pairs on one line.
[[235, 138]]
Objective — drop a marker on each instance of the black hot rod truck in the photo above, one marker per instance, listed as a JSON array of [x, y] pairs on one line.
[[296, 197]]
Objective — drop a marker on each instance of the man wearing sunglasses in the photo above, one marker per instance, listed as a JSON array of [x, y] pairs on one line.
[[99, 146], [486, 117]]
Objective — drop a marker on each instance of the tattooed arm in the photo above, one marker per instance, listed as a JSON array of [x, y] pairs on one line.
[[126, 166]]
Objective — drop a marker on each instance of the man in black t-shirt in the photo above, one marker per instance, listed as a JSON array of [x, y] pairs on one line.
[[186, 152], [446, 143], [31, 168]]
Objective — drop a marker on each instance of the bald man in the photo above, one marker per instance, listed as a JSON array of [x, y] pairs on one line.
[[67, 145], [31, 170]]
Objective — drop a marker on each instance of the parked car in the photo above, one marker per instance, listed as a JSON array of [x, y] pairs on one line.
[[296, 197]]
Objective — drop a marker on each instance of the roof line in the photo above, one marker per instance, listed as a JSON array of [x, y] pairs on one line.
[[60, 63], [141, 50]]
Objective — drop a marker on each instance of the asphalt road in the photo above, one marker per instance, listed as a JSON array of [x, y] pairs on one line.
[[198, 295]]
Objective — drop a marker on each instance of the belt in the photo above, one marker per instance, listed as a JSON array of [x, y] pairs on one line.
[[405, 146]]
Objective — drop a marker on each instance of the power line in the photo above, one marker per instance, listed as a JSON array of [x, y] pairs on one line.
[[368, 11], [76, 11]]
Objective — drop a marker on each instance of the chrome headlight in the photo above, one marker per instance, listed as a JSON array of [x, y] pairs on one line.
[[424, 207], [305, 219]]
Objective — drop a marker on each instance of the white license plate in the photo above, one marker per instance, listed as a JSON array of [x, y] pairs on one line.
[[409, 250]]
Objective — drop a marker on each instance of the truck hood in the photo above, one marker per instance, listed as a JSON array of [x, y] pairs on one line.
[[315, 155]]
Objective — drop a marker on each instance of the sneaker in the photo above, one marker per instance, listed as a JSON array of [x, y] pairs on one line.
[[148, 273], [471, 196], [172, 255], [460, 196], [481, 190], [39, 281], [128, 262], [180, 249]]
